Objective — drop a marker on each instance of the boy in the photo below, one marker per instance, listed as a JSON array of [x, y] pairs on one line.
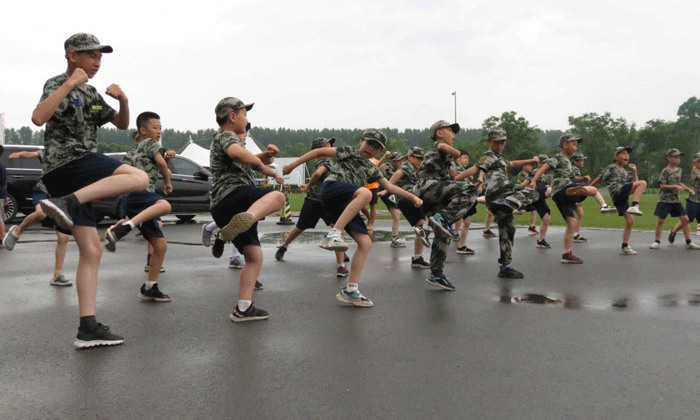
[[540, 206], [621, 185], [692, 207], [567, 193], [72, 110], [344, 197], [143, 209], [236, 204], [388, 169], [521, 179], [440, 193], [312, 210], [371, 214], [670, 185], [503, 197], [577, 161], [459, 165]]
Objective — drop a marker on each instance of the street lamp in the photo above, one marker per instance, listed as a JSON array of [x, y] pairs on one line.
[[455, 95]]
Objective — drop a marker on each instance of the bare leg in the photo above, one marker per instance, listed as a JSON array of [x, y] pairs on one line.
[[250, 271], [125, 179], [160, 246], [659, 229], [533, 218], [159, 208], [61, 247], [571, 223], [360, 199], [293, 234], [395, 220], [364, 243], [487, 222], [269, 203], [686, 226], [579, 218], [629, 222], [464, 231], [90, 250], [544, 226]]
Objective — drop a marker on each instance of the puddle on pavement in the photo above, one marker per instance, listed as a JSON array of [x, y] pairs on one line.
[[316, 236]]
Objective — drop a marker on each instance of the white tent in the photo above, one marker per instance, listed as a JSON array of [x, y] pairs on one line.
[[296, 177], [200, 155]]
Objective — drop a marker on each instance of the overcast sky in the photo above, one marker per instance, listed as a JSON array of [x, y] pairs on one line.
[[360, 64]]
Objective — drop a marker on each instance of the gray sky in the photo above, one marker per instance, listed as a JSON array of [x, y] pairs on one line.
[[359, 64]]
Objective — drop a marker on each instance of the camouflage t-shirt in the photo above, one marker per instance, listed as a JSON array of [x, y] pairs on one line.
[[71, 132], [522, 176], [227, 173], [495, 171], [436, 165], [615, 177], [544, 180], [670, 177], [387, 170], [561, 172], [575, 171], [314, 191], [143, 156], [40, 185], [695, 185], [353, 168], [409, 178]]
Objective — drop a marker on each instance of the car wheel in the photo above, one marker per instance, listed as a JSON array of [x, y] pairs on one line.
[[185, 218], [10, 208]]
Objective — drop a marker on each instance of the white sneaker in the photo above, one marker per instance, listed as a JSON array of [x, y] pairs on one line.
[[628, 251], [634, 210], [655, 245], [397, 243], [607, 209], [333, 241], [206, 236], [692, 245]]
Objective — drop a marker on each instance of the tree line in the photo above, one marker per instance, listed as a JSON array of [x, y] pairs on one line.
[[602, 133]]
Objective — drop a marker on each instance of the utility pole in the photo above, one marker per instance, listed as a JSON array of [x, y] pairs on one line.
[[455, 95]]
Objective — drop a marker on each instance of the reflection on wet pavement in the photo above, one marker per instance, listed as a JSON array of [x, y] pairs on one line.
[[316, 236]]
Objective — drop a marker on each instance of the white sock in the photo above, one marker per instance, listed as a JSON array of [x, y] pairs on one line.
[[352, 287], [129, 223], [243, 305], [415, 257], [210, 227], [341, 265], [148, 285]]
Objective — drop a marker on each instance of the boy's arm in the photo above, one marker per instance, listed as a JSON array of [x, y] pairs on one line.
[[539, 173], [467, 173], [595, 181], [46, 108], [169, 155], [314, 178], [633, 167], [396, 190], [121, 121], [268, 156], [395, 178], [163, 169], [240, 154], [448, 149], [387, 153], [520, 163], [23, 155], [311, 154]]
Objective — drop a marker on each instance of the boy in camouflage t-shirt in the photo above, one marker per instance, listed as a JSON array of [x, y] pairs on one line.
[[692, 206], [669, 203], [540, 206]]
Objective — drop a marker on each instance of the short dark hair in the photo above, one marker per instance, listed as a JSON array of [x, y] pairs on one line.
[[144, 117], [222, 120], [464, 152]]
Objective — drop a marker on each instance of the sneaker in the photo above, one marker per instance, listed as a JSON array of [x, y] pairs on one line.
[[577, 191], [533, 230], [655, 245], [60, 280], [236, 262], [258, 285], [422, 234], [579, 238], [10, 239], [440, 281], [251, 314], [570, 258], [100, 336], [510, 273], [333, 241], [542, 244], [217, 249], [488, 234], [504, 205], [147, 268], [114, 234], [206, 236], [440, 223], [634, 210], [692, 245], [671, 237], [397, 243], [153, 294], [419, 262], [58, 210], [279, 255], [342, 272], [465, 250], [238, 224], [627, 251], [607, 209], [355, 298]]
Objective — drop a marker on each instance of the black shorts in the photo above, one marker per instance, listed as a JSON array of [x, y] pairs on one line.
[[239, 201], [134, 203], [621, 199], [540, 206], [335, 196], [663, 210], [567, 203], [412, 213], [471, 212], [387, 202], [77, 174], [373, 201], [692, 209], [311, 212]]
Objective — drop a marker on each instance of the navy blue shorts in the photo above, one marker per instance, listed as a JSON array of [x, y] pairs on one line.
[[663, 210], [471, 212], [335, 196], [311, 212], [621, 200], [239, 201], [77, 174], [540, 206], [134, 203], [412, 213], [692, 209], [388, 203], [567, 203], [374, 200]]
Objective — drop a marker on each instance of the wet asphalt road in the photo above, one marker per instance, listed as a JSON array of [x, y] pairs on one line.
[[616, 337]]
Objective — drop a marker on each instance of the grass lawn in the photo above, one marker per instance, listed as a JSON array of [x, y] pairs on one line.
[[593, 216]]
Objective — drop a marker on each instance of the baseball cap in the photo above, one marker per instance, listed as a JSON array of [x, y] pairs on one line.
[[375, 136], [568, 137], [230, 104], [321, 141], [416, 151], [622, 148], [578, 156], [674, 152], [442, 124], [497, 134], [396, 156], [85, 42]]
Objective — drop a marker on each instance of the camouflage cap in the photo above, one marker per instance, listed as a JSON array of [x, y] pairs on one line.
[[696, 157], [375, 136], [85, 42], [578, 156], [416, 151], [497, 134], [568, 137], [396, 156], [674, 152], [230, 104], [442, 124], [321, 141], [622, 148]]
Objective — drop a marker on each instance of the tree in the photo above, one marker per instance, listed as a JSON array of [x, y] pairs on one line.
[[601, 135], [523, 140]]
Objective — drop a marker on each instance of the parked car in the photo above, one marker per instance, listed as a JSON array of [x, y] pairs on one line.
[[22, 175]]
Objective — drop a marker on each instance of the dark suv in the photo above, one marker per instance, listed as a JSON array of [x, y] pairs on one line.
[[22, 175]]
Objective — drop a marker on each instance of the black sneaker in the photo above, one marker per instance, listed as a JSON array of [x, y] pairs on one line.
[[510, 273], [422, 234], [671, 237], [440, 281], [465, 250], [419, 262], [58, 210], [345, 257], [439, 222], [153, 294], [488, 234], [543, 244], [100, 336], [279, 255], [258, 285], [217, 249], [114, 234], [252, 314]]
